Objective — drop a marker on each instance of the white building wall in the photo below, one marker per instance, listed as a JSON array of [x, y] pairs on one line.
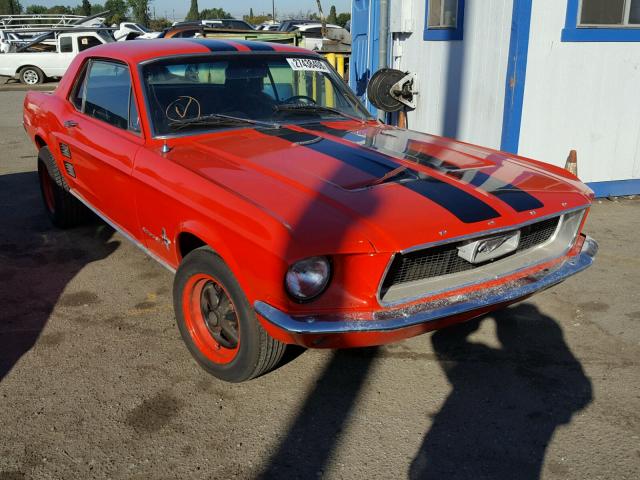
[[583, 96], [461, 83]]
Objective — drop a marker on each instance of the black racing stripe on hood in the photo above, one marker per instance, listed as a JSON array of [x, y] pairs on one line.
[[466, 207], [513, 196], [430, 161], [213, 45], [336, 132]]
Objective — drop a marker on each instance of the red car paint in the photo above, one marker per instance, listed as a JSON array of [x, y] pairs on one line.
[[263, 201]]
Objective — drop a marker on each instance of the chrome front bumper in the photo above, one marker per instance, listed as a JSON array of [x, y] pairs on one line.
[[394, 319]]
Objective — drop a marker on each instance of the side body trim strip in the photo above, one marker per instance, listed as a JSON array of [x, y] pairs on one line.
[[122, 231]]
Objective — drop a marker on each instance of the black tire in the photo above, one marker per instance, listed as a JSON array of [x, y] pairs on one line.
[[63, 209], [255, 352], [30, 75]]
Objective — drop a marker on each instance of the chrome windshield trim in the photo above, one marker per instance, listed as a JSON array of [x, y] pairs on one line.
[[342, 86], [395, 319]]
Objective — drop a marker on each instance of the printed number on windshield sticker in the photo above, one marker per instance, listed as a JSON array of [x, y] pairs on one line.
[[308, 65]]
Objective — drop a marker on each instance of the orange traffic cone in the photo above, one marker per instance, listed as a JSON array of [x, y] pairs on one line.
[[572, 163]]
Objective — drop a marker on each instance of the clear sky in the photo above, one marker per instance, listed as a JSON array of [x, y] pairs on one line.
[[236, 7]]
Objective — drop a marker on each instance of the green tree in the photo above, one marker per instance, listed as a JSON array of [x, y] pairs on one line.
[[332, 18], [194, 13], [140, 11], [343, 18], [211, 13], [60, 10], [36, 9], [97, 8], [10, 7], [86, 8], [118, 9], [159, 24]]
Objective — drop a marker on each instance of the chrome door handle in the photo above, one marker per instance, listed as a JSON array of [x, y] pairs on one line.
[[70, 124]]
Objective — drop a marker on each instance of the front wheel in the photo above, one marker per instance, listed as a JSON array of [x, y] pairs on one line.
[[31, 75], [217, 323]]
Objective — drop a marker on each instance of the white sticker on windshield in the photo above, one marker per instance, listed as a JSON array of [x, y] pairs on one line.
[[308, 65]]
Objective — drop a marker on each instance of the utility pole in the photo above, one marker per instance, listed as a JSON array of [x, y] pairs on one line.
[[273, 10]]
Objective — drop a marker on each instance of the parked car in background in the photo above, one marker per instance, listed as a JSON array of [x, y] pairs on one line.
[[269, 26], [288, 213], [32, 68], [313, 39], [291, 24], [226, 23], [129, 30]]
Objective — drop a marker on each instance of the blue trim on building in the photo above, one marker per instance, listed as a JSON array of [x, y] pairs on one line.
[[615, 188], [573, 33], [516, 75], [444, 34]]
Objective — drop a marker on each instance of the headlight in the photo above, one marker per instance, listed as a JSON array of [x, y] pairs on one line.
[[308, 278]]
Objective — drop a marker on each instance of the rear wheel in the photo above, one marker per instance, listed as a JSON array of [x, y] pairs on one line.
[[31, 75], [63, 209], [217, 323]]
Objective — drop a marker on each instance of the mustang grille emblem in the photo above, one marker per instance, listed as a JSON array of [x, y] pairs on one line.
[[486, 249]]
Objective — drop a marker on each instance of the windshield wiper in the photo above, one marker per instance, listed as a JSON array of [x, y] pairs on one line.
[[218, 119], [307, 107]]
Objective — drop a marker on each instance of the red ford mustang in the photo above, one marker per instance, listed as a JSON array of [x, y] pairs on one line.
[[289, 215]]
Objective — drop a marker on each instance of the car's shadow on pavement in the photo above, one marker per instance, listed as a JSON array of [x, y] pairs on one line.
[[503, 409], [37, 262], [505, 403]]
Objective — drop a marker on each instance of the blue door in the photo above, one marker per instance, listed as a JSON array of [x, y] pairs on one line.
[[364, 46]]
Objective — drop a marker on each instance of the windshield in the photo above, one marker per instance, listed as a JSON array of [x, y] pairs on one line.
[[197, 93]]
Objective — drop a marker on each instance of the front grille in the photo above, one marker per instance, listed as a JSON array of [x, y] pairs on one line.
[[444, 259]]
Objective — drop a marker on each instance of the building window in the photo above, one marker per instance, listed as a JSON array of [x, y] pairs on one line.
[[610, 13], [602, 21], [444, 20]]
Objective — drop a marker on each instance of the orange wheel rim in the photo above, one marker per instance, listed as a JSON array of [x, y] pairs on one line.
[[47, 189], [211, 318]]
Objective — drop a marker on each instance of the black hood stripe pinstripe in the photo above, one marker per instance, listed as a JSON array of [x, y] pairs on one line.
[[513, 196], [466, 207]]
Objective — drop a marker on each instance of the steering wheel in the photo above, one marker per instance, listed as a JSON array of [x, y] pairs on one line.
[[182, 108], [295, 98]]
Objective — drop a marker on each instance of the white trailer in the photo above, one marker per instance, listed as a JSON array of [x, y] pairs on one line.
[[34, 67]]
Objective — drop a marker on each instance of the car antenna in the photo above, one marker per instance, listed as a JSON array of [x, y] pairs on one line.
[[165, 148]]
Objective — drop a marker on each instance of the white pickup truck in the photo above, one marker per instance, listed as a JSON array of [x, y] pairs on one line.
[[32, 67]]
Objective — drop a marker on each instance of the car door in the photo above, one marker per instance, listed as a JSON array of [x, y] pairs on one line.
[[103, 132]]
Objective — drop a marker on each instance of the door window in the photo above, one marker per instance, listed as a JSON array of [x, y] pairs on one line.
[[87, 42], [107, 95]]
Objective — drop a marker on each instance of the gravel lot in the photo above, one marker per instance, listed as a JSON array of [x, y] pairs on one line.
[[95, 381]]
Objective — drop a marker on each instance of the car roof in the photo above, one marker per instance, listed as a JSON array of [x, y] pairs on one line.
[[136, 51], [306, 26]]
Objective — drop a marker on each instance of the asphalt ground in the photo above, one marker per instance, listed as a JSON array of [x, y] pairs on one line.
[[95, 381]]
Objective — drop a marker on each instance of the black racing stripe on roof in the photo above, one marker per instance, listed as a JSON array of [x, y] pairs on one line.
[[213, 45], [466, 207], [255, 46]]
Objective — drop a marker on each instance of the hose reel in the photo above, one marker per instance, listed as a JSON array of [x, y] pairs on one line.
[[392, 90]]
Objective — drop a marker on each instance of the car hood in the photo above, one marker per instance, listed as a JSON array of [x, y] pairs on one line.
[[347, 186]]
